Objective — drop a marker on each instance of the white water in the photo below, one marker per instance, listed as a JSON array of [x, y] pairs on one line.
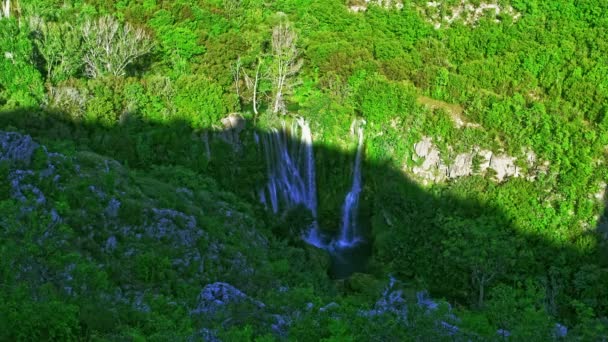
[[291, 173], [348, 232], [291, 181]]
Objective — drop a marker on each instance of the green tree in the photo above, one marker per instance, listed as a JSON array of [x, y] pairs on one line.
[[20, 82], [61, 47]]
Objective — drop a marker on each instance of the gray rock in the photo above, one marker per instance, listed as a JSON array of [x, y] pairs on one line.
[[432, 168], [560, 330], [423, 147], [16, 147], [463, 165], [450, 329], [281, 325], [234, 121], [112, 208], [20, 187], [207, 335], [424, 301], [139, 304], [111, 243], [504, 166], [486, 155], [503, 333], [233, 124], [391, 301], [215, 296], [330, 306], [98, 192], [175, 225]]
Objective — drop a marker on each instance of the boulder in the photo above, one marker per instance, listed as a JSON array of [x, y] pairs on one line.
[[233, 124]]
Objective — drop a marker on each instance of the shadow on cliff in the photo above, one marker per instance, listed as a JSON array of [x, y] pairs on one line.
[[452, 244]]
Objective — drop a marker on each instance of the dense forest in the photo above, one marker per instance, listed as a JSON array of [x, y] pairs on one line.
[[145, 146]]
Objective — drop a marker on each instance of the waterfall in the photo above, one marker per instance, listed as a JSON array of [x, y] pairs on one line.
[[291, 172], [348, 231], [291, 181]]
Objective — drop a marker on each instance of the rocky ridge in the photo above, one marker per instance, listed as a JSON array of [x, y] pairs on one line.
[[434, 168]]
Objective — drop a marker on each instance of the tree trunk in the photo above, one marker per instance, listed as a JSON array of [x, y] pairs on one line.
[[481, 292], [255, 88], [237, 77], [6, 9]]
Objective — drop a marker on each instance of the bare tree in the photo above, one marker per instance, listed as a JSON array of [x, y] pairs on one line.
[[252, 77], [286, 63], [6, 9], [254, 83], [236, 75], [111, 47]]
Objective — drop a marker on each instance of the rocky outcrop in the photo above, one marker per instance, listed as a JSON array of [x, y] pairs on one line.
[[391, 301], [361, 5], [432, 167], [16, 147], [442, 14], [504, 166], [214, 297], [233, 125], [463, 166]]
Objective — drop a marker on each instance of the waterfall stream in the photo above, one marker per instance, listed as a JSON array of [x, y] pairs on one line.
[[291, 181], [348, 232]]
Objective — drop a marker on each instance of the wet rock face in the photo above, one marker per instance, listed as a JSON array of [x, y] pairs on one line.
[[16, 147]]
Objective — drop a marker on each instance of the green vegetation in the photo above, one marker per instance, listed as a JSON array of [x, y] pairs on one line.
[[127, 99]]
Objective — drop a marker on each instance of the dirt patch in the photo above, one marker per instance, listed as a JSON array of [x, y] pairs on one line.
[[455, 110]]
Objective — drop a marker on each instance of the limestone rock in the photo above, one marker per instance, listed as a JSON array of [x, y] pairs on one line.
[[234, 121], [361, 5], [486, 156], [560, 331], [463, 165], [432, 167], [504, 166], [423, 147], [233, 124], [16, 147], [215, 296]]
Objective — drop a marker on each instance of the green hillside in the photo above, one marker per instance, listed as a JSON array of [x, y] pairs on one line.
[[323, 170]]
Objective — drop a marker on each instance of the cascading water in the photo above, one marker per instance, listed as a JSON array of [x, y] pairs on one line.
[[291, 173], [348, 232], [291, 181]]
